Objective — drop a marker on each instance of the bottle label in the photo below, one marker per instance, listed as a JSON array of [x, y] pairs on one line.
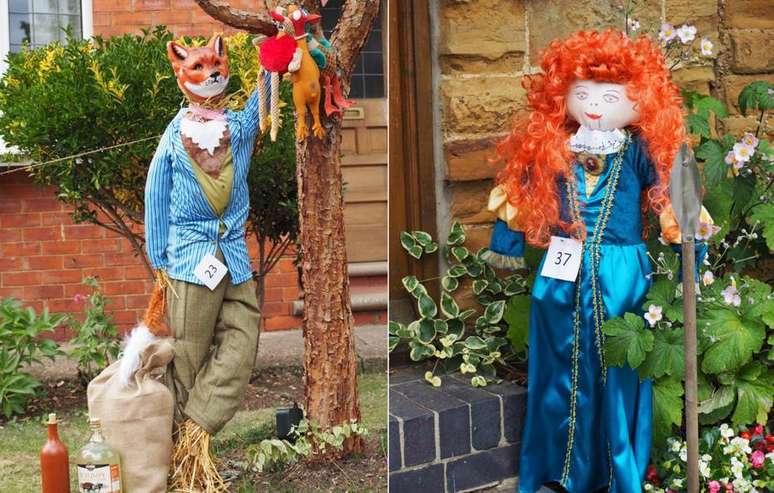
[[99, 478]]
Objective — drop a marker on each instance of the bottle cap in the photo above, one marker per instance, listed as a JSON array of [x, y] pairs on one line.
[[52, 419]]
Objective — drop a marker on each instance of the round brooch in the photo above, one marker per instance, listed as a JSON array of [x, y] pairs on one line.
[[593, 164]]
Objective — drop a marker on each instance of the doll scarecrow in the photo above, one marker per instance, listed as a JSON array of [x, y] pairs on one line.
[[196, 204], [593, 154]]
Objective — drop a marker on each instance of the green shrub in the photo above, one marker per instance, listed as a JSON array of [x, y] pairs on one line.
[[21, 345], [473, 340], [96, 343]]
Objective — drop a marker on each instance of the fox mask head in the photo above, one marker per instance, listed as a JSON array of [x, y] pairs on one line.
[[202, 73]]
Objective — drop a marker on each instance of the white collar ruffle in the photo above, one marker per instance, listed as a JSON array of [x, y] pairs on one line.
[[597, 141]]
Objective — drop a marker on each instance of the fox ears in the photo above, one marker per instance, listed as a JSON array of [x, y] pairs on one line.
[[178, 53]]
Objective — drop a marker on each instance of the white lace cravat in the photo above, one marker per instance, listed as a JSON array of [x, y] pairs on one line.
[[597, 141]]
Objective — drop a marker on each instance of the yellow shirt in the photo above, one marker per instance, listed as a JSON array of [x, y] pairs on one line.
[[217, 190]]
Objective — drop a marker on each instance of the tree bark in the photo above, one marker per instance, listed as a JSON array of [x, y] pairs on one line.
[[257, 23]]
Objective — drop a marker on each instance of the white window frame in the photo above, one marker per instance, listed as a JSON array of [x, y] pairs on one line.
[[87, 31]]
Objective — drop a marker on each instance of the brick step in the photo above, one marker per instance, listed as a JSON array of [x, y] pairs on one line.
[[452, 438]]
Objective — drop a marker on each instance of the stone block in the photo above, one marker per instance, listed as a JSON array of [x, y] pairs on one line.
[[749, 14], [484, 412], [418, 430], [428, 479], [469, 200], [483, 468], [453, 416], [753, 50], [471, 159], [481, 105], [486, 28], [455, 65], [560, 18]]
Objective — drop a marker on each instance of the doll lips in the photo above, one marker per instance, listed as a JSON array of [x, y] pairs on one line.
[[593, 116]]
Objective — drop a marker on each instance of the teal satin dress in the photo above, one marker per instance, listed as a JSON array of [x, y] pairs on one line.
[[588, 426]]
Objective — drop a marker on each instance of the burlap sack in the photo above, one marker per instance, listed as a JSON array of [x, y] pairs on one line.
[[137, 420]]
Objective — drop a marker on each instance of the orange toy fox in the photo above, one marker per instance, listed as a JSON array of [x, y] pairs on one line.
[[202, 73], [306, 80]]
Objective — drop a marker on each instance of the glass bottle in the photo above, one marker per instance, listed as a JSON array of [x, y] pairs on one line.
[[99, 465], [54, 464]]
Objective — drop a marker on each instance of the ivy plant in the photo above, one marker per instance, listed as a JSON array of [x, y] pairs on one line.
[[469, 340], [735, 329]]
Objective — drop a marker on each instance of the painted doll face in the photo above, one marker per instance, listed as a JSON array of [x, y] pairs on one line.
[[601, 105]]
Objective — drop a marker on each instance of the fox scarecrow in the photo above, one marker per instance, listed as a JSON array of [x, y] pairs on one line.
[[196, 204]]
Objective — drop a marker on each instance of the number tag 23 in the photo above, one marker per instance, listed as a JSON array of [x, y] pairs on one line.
[[210, 271]]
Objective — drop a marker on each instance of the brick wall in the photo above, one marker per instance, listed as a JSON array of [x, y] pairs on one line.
[[481, 65], [44, 257], [183, 17]]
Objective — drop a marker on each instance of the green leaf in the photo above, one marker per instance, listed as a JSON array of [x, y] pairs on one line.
[[449, 306], [420, 351], [517, 317], [479, 285], [627, 340], [456, 235], [393, 342], [475, 343], [667, 407], [715, 167], [754, 399], [733, 339], [494, 312], [431, 247], [426, 307], [407, 241], [698, 125], [718, 406], [460, 253], [667, 356], [458, 270], [755, 96], [764, 215], [707, 104], [415, 251], [421, 237], [467, 313], [449, 283], [410, 283], [426, 331]]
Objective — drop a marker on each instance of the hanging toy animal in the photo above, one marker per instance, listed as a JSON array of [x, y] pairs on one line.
[[276, 57], [326, 56]]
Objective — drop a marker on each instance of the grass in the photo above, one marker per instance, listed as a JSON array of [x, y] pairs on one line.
[[20, 442]]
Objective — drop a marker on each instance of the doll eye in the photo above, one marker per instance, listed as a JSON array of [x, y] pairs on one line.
[[581, 95], [198, 66], [610, 98]]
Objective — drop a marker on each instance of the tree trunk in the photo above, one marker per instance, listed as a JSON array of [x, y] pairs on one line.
[[330, 362]]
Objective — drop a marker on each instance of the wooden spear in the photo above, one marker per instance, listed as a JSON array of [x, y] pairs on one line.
[[685, 194]]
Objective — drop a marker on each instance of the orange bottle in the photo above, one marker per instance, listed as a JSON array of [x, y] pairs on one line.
[[54, 464]]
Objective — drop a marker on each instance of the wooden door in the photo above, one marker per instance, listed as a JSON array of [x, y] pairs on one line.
[[412, 177], [364, 147]]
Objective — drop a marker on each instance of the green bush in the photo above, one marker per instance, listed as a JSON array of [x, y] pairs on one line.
[[61, 100], [21, 345], [735, 329], [96, 343], [472, 340]]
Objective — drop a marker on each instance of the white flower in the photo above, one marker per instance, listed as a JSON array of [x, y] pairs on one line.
[[741, 484], [684, 454], [743, 152], [674, 445], [742, 444], [706, 47], [667, 33], [647, 487], [686, 33], [704, 231], [704, 469], [750, 140], [708, 278], [677, 483], [725, 430], [634, 24], [706, 458], [653, 315], [731, 297]]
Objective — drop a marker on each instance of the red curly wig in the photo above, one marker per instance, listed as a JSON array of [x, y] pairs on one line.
[[536, 152]]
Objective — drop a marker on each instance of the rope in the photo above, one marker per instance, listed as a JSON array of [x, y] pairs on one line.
[[75, 156]]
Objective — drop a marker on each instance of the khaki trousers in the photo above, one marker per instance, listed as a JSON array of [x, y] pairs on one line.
[[216, 339]]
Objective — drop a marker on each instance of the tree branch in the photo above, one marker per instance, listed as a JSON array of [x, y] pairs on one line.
[[257, 23], [351, 32]]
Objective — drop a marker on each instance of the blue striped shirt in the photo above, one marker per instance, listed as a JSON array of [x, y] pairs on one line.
[[180, 225]]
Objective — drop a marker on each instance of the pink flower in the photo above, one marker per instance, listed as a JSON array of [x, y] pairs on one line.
[[80, 298], [758, 430], [713, 486], [757, 459]]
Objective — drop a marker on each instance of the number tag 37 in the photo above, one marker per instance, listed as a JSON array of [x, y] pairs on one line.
[[563, 259], [210, 271]]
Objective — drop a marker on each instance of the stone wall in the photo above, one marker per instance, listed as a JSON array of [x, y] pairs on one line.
[[485, 46]]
